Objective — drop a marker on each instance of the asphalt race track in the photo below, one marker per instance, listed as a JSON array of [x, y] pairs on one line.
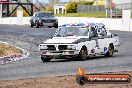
[[29, 39]]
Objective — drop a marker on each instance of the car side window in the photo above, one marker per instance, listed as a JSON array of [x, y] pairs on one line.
[[93, 32], [102, 32]]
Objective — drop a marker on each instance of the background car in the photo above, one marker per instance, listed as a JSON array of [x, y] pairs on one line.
[[43, 19]]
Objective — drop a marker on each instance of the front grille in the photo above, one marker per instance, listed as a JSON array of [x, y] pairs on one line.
[[58, 52], [51, 47], [53, 21], [48, 21], [62, 47]]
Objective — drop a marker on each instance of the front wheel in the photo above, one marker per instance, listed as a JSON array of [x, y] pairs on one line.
[[83, 55], [31, 25], [44, 59]]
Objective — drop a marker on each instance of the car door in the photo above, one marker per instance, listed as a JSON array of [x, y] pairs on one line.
[[103, 41], [93, 35]]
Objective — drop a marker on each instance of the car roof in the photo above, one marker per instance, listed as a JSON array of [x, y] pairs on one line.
[[100, 25], [42, 12]]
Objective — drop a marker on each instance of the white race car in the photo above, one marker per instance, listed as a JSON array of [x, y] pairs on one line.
[[79, 41]]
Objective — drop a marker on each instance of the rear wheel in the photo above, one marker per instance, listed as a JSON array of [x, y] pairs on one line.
[[110, 51], [83, 54], [44, 59]]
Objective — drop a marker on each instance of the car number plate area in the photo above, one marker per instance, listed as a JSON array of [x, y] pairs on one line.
[[55, 53], [48, 24], [60, 54]]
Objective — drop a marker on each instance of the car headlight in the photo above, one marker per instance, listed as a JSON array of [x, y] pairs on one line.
[[56, 20], [43, 47], [71, 47], [40, 21]]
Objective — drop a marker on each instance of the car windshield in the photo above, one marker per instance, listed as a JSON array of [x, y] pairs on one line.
[[43, 15], [71, 31]]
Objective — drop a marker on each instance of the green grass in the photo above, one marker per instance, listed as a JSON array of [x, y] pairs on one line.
[[1, 52], [96, 15]]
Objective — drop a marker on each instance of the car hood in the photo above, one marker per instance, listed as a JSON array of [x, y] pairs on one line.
[[58, 40], [50, 18]]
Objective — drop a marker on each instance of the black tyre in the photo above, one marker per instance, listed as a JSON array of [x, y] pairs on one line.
[[82, 54], [44, 59], [31, 25], [110, 51]]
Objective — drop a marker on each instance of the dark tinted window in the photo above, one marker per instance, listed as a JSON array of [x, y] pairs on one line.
[[43, 15]]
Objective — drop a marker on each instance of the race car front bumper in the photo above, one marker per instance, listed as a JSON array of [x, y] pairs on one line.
[[60, 54]]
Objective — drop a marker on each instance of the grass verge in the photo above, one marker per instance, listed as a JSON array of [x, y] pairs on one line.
[[7, 50], [96, 15]]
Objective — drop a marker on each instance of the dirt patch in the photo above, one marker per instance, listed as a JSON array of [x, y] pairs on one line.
[[8, 50], [57, 82]]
